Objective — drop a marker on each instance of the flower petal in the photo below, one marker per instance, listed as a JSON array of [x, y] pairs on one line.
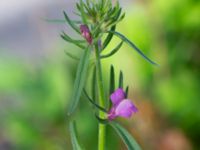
[[111, 114], [117, 96], [125, 108]]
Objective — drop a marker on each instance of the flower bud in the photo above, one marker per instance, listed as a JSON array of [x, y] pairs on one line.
[[86, 33]]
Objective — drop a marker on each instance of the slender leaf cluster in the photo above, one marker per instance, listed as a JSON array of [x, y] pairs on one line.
[[98, 20]]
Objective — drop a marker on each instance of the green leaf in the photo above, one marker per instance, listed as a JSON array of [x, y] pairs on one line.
[[78, 7], [72, 40], [115, 19], [126, 91], [74, 140], [121, 80], [112, 79], [109, 37], [115, 50], [116, 14], [112, 83], [83, 14], [122, 17], [72, 56], [86, 7], [81, 75], [122, 37], [129, 141], [117, 10], [102, 4], [71, 23], [60, 21], [93, 102], [111, 12], [75, 42], [106, 5], [55, 20]]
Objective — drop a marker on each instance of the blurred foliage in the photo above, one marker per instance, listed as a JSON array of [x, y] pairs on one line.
[[33, 98]]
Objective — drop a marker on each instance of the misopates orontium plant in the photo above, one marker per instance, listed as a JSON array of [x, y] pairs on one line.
[[96, 27]]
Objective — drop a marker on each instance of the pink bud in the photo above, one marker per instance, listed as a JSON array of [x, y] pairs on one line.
[[86, 33]]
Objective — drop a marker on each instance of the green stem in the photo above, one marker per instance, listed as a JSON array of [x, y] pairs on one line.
[[101, 94]]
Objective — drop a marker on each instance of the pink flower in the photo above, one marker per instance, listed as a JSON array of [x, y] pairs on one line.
[[121, 106], [86, 33]]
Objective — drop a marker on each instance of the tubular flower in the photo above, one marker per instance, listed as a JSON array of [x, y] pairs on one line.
[[121, 106], [86, 33]]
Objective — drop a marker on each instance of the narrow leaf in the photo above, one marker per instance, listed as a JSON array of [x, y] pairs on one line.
[[72, 40], [111, 12], [122, 37], [112, 83], [80, 79], [116, 14], [102, 4], [74, 140], [109, 37], [83, 15], [68, 39], [93, 102], [112, 79], [55, 20], [78, 7], [117, 21], [126, 91], [72, 56], [116, 11], [60, 21], [71, 23], [129, 141], [86, 7], [121, 80], [115, 50]]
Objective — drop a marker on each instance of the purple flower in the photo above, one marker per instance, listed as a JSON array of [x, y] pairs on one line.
[[86, 33], [121, 106]]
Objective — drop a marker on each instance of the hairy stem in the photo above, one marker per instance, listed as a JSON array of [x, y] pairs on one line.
[[101, 98]]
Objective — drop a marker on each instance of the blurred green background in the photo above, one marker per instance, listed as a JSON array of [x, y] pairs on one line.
[[36, 77]]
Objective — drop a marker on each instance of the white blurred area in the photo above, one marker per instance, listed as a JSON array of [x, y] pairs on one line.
[[12, 8], [24, 32]]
